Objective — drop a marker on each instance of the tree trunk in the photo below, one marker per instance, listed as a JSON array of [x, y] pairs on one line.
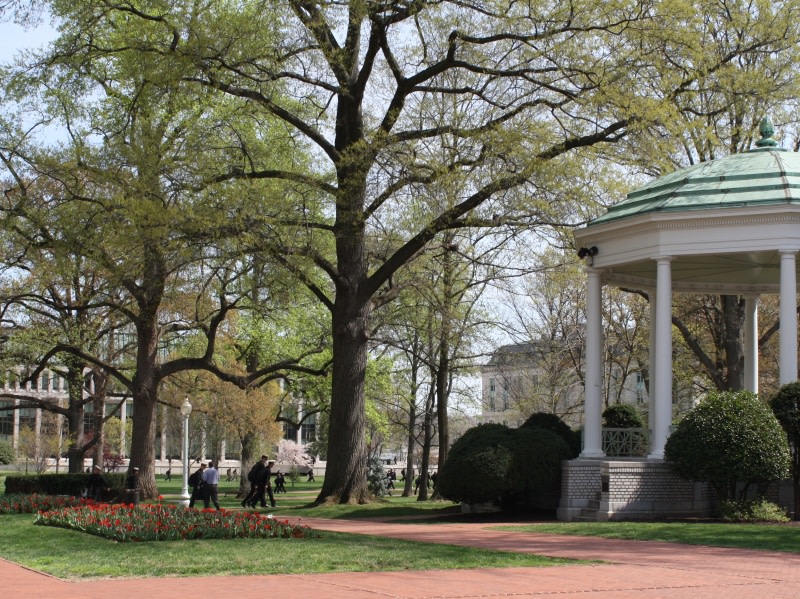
[[145, 402], [427, 435], [346, 469], [733, 319], [248, 444], [76, 449], [408, 483]]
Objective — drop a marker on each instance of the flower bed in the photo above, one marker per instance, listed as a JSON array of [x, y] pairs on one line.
[[163, 522], [30, 504]]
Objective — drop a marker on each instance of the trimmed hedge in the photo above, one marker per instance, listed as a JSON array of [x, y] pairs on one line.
[[551, 422], [729, 438], [493, 462], [60, 484], [622, 415]]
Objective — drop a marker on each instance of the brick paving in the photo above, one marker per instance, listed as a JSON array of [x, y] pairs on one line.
[[641, 569]]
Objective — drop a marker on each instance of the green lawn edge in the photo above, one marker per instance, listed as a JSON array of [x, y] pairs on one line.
[[784, 538]]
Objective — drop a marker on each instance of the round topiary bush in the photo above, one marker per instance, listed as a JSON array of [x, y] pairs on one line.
[[551, 422], [492, 462], [729, 438], [622, 415]]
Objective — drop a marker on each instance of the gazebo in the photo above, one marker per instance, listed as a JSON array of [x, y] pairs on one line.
[[726, 226]]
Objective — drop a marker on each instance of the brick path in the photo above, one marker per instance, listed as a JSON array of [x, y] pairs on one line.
[[641, 569]]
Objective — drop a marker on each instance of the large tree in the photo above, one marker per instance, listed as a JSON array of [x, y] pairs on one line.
[[523, 84], [128, 192]]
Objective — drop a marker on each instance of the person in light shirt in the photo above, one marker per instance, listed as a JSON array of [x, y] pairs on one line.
[[210, 483]]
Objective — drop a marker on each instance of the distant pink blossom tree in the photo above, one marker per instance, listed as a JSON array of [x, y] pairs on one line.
[[292, 454]]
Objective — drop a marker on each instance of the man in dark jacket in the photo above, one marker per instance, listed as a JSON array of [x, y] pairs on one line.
[[97, 486], [265, 485], [254, 476], [196, 483]]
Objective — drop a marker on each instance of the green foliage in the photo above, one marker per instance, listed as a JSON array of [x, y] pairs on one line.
[[786, 407], [754, 510], [492, 462], [376, 478], [551, 422], [729, 438], [6, 453], [622, 415]]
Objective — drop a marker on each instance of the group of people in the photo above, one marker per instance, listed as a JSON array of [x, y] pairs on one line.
[[260, 484], [205, 485]]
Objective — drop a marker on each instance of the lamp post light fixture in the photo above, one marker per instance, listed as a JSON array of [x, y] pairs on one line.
[[186, 411]]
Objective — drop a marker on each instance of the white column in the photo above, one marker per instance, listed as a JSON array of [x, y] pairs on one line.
[[123, 426], [164, 416], [204, 439], [663, 382], [751, 343], [592, 408], [651, 394], [788, 335]]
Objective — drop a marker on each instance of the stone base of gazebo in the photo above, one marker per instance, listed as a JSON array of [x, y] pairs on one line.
[[601, 489]]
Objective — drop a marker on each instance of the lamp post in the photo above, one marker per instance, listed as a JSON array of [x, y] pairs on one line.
[[186, 410]]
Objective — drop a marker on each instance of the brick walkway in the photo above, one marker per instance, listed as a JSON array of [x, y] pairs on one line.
[[645, 570]]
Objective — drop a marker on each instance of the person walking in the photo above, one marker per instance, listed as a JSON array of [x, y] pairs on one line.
[[168, 475], [196, 483], [265, 485], [253, 478], [280, 481], [211, 485]]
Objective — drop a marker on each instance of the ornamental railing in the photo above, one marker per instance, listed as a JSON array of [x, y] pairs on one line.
[[625, 442]]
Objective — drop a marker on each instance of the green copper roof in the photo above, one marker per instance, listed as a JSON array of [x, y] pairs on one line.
[[766, 175]]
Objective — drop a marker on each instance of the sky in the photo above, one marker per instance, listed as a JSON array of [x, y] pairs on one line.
[[14, 38]]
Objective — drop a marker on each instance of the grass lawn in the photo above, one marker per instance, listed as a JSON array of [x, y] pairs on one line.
[[75, 555], [72, 555], [771, 537]]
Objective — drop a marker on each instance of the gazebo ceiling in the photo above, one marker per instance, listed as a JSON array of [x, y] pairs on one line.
[[736, 273], [722, 223]]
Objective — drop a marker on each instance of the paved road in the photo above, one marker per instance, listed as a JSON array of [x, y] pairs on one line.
[[640, 569]]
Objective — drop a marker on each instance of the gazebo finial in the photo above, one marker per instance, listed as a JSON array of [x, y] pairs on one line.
[[767, 131]]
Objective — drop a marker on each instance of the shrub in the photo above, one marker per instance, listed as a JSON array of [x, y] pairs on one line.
[[753, 510], [492, 462], [622, 415], [6, 453], [376, 478], [786, 407], [551, 422], [59, 484], [729, 438]]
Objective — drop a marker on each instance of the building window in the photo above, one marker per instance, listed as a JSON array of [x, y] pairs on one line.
[[308, 432], [640, 389], [6, 419], [27, 418], [88, 418], [492, 395], [289, 432]]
